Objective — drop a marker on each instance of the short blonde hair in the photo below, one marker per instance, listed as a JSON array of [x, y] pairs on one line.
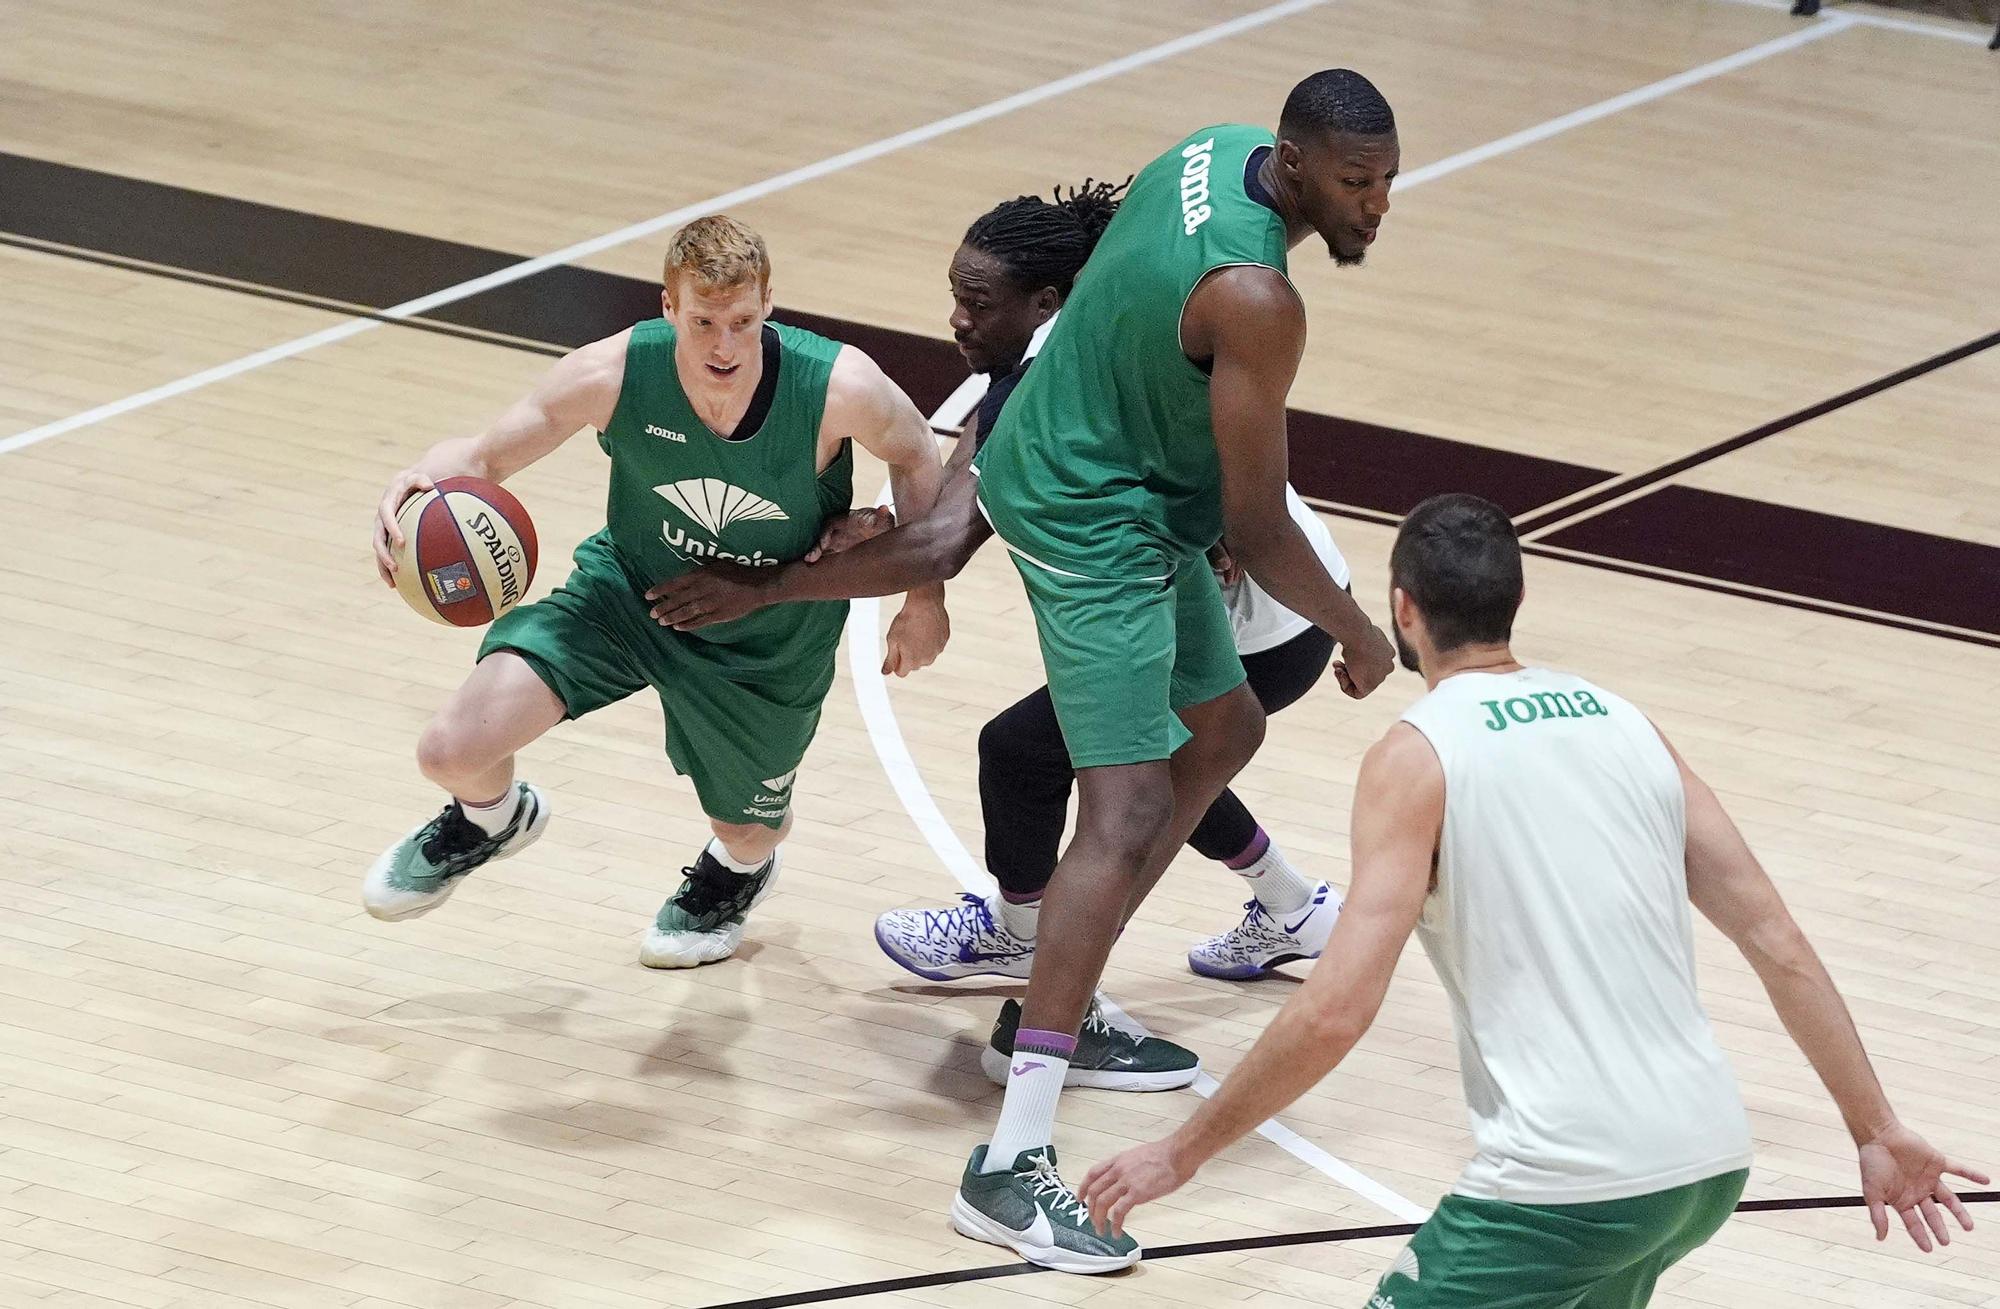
[[719, 253]]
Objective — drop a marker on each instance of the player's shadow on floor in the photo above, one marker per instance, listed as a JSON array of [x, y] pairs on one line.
[[531, 1066]]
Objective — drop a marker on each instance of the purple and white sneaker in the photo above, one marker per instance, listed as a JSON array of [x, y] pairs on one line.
[[964, 940], [1264, 940]]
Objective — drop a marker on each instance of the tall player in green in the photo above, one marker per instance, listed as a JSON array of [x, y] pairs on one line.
[[728, 439], [1152, 424]]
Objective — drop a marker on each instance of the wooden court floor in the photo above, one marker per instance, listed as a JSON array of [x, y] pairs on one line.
[[1631, 238]]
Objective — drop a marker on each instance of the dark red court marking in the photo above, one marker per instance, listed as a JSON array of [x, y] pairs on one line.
[[1360, 470], [1652, 476], [1938, 579], [1238, 1245]]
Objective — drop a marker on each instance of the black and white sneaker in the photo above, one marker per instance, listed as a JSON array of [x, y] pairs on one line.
[[419, 872]]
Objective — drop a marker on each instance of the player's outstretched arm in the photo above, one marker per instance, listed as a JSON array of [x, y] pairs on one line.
[[932, 549], [1398, 811], [861, 400], [1250, 323], [580, 391], [1899, 1169]]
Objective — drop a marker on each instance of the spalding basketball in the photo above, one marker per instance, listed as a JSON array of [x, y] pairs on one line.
[[468, 552]]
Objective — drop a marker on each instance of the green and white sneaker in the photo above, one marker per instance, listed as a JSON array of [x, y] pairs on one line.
[[703, 922], [1029, 1210], [419, 872], [1107, 1057]]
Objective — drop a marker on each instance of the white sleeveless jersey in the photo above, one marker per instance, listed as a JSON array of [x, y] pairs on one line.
[[1561, 929]]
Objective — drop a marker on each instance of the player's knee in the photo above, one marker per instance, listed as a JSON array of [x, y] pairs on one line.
[[1126, 830], [447, 753], [999, 745], [1231, 735]]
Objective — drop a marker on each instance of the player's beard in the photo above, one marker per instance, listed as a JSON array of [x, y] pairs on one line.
[[1406, 654]]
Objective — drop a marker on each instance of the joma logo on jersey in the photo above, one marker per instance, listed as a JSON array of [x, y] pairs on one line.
[[1544, 704], [1194, 185], [653, 430], [713, 504]]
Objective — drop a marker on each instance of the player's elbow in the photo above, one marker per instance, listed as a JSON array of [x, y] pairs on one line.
[[1334, 1029], [1775, 944]]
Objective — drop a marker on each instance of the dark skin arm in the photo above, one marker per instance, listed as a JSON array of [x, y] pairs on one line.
[[929, 550], [1250, 323]]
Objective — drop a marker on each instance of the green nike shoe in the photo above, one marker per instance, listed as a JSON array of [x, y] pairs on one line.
[[1028, 1209], [1106, 1057]]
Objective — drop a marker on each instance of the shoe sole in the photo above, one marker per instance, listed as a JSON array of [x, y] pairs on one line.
[[685, 960], [535, 828], [1246, 972], [944, 975], [970, 1222], [996, 1066]]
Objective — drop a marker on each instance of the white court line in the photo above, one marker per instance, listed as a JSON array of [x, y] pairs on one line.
[[673, 218], [1968, 36], [1666, 86], [871, 691]]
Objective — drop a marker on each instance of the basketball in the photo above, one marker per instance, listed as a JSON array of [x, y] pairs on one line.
[[468, 552]]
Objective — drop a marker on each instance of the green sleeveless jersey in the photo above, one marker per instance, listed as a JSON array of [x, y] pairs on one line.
[[681, 495], [1103, 463]]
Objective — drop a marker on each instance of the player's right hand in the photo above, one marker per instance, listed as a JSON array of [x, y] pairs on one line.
[[1365, 664], [1902, 1171], [388, 536]]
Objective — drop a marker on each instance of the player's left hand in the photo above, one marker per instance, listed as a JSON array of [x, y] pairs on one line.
[[851, 529], [1116, 1186], [1904, 1173], [917, 636], [716, 592], [1227, 570]]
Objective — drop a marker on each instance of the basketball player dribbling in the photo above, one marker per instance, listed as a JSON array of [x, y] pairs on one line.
[[1544, 841], [1151, 426], [728, 437]]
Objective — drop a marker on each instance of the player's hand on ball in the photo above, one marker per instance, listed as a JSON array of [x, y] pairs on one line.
[[1364, 665], [917, 636], [851, 529], [1902, 1171], [1141, 1175], [388, 536], [716, 592]]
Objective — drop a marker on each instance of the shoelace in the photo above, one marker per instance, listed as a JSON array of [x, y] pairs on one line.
[[454, 836], [1045, 1182], [945, 922], [708, 889]]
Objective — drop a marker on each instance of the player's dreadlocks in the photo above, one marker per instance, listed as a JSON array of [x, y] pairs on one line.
[[1044, 243]]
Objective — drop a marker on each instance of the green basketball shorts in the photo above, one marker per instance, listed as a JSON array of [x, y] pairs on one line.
[[1490, 1254], [594, 642], [1123, 656]]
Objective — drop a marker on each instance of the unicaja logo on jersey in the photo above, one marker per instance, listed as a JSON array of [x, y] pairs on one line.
[[1194, 185], [713, 504], [777, 790]]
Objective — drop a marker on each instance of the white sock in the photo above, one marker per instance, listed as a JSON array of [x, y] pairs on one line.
[[1278, 886], [492, 819], [1020, 920], [730, 861], [1034, 1083]]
